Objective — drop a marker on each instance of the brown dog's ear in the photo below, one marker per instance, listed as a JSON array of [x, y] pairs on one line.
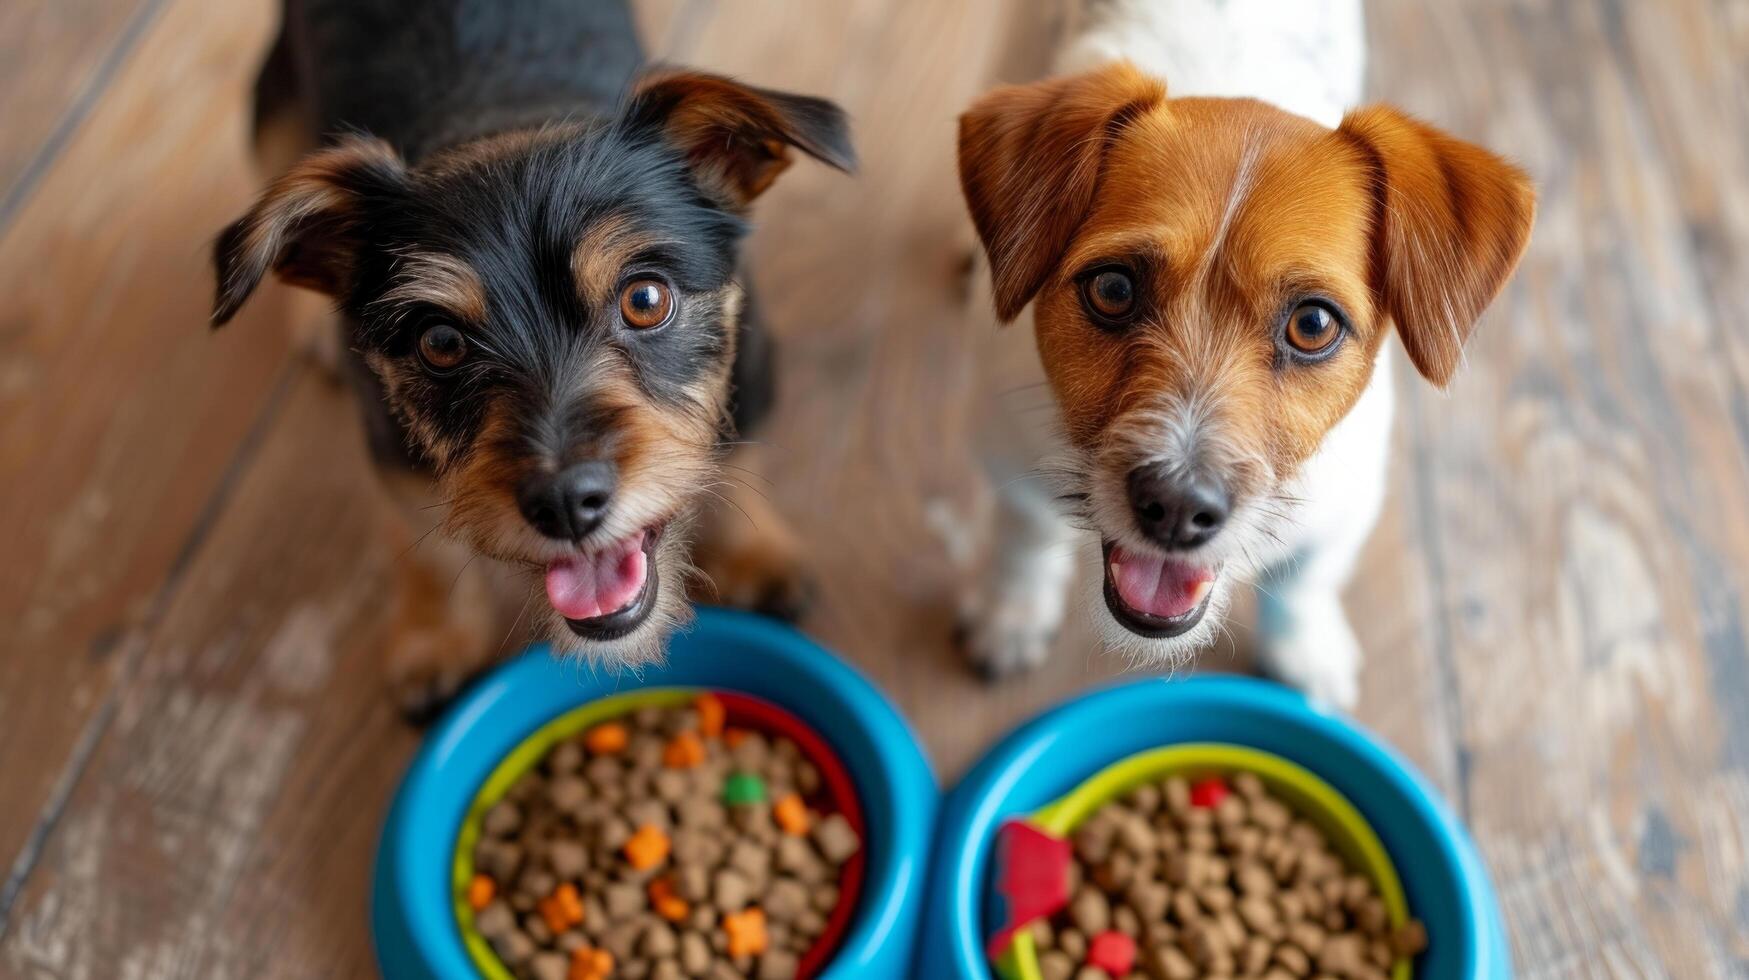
[[737, 137], [304, 226], [1451, 221], [1030, 159]]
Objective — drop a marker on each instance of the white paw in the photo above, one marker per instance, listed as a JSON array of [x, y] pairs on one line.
[[1311, 647], [1011, 633]]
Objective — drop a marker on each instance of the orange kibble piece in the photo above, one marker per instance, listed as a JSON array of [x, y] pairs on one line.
[[667, 904], [647, 848], [590, 964], [607, 738], [791, 815], [562, 909], [711, 714], [746, 931], [481, 892], [734, 736], [683, 752]]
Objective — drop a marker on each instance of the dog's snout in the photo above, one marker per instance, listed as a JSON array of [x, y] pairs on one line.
[[570, 503], [1177, 510]]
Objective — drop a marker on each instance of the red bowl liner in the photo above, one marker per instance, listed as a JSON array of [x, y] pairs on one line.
[[839, 792]]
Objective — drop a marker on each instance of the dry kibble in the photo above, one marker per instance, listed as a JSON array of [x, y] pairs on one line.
[[1409, 939], [835, 838], [1294, 959], [1056, 965], [503, 819], [1089, 911], [620, 844], [1222, 880]]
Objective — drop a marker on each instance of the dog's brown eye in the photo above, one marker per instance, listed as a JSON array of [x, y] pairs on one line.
[[442, 347], [1110, 295], [646, 303], [1312, 328]]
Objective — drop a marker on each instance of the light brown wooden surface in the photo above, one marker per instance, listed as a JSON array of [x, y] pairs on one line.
[[195, 751]]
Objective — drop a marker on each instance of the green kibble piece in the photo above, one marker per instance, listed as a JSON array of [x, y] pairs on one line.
[[743, 787]]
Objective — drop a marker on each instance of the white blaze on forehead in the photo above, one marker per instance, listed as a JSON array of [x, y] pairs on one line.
[[1243, 178]]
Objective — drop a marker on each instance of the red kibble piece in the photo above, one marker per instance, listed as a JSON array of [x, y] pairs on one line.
[[1113, 952], [1208, 793]]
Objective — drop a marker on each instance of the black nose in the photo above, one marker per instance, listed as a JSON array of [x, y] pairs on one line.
[[1177, 510], [570, 503]]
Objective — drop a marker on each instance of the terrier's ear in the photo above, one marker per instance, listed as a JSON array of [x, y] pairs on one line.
[[737, 137], [1030, 158], [305, 226], [1452, 220]]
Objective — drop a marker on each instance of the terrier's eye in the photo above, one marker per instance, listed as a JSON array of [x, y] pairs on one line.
[[1110, 296], [442, 347], [646, 303], [1312, 328]]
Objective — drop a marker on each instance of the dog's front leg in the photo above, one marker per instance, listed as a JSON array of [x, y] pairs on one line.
[[445, 625], [749, 553], [1010, 617], [1305, 638]]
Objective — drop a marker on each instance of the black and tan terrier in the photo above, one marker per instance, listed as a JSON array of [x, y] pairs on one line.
[[532, 243]]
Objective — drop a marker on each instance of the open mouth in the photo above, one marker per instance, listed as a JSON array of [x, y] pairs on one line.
[[607, 593], [1153, 595]]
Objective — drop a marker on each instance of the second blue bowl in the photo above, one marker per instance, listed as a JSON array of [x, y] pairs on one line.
[[1446, 885]]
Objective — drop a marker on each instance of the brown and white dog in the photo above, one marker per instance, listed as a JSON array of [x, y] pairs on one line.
[[532, 242], [1215, 248]]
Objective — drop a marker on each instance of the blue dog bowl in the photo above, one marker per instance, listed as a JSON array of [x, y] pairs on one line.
[[1446, 885], [412, 910]]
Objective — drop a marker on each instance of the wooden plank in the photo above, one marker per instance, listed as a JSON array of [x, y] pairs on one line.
[[226, 822], [118, 412], [56, 59], [1585, 486]]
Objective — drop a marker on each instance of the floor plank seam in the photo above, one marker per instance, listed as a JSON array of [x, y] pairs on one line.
[[1444, 667], [43, 160], [92, 735]]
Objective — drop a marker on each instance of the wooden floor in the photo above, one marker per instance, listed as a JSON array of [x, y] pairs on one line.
[[195, 752]]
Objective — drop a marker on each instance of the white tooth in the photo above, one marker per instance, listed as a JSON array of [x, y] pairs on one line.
[[1202, 590]]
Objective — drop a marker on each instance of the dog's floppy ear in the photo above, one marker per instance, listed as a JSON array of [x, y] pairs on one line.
[[737, 137], [1451, 221], [305, 225], [1030, 159]]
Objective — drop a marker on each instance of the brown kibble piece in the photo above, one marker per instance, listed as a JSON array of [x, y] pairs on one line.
[[549, 966], [835, 838], [777, 964], [730, 890], [502, 819], [1410, 939], [1056, 965], [1090, 911]]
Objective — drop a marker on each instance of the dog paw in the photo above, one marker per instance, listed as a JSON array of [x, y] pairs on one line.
[[1317, 653], [760, 578], [426, 668], [1009, 635]]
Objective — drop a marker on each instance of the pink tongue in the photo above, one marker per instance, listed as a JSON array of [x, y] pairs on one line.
[[587, 586], [1158, 586]]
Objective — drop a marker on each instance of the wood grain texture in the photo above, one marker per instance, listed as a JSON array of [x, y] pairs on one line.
[[57, 57], [195, 752], [119, 416]]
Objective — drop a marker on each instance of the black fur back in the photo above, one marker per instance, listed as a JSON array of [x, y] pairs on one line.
[[424, 74]]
